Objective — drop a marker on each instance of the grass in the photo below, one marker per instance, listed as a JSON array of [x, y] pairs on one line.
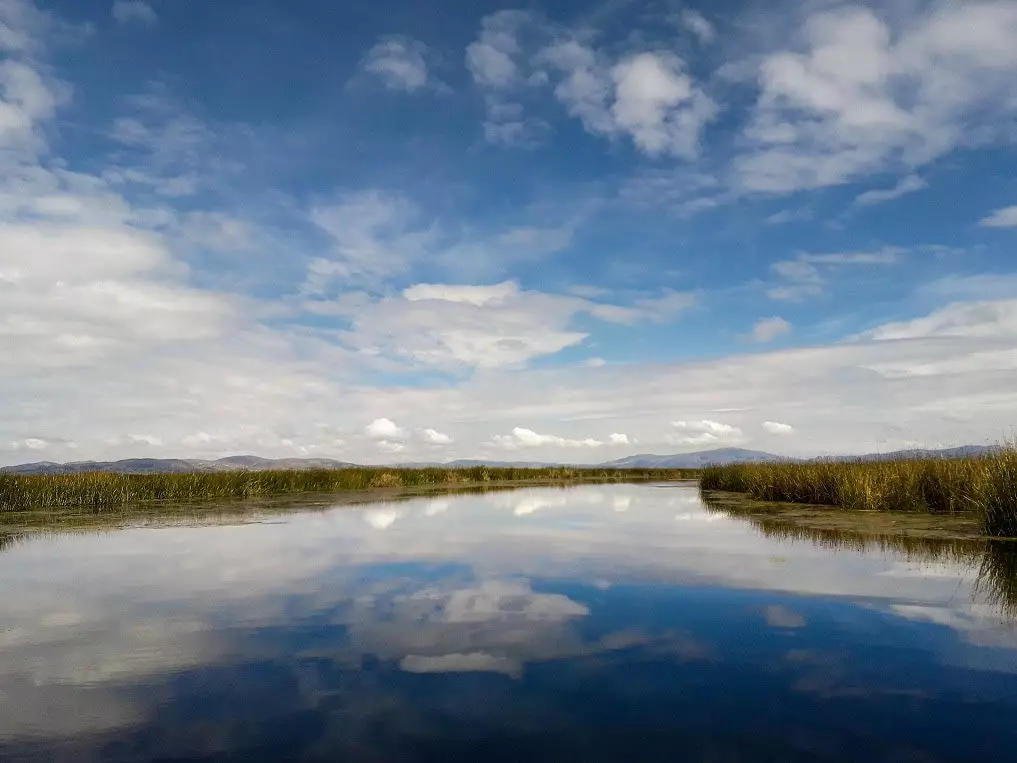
[[986, 485], [106, 490]]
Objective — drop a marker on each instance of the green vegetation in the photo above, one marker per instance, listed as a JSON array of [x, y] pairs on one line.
[[985, 486], [105, 490]]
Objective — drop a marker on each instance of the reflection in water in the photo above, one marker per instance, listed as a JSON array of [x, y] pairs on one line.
[[995, 560], [596, 623], [7, 540]]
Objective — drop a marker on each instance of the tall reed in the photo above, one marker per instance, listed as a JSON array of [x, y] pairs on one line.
[[105, 489], [985, 484]]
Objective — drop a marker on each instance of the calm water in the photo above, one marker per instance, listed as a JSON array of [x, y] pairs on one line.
[[594, 623]]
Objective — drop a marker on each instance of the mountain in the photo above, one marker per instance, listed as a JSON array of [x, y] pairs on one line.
[[693, 460], [644, 460], [176, 465], [964, 451]]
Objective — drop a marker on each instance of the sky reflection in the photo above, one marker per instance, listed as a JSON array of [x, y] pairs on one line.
[[356, 611]]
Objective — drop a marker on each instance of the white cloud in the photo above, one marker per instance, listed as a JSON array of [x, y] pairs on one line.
[[491, 58], [775, 427], [996, 319], [384, 429], [805, 276], [617, 438], [145, 439], [648, 96], [380, 236], [862, 93], [699, 25], [26, 101], [705, 432], [594, 362], [789, 216], [527, 438], [768, 329], [390, 447], [906, 185], [852, 392], [30, 443], [399, 62], [1001, 218], [134, 12], [496, 326], [470, 295], [659, 106], [434, 437], [373, 238]]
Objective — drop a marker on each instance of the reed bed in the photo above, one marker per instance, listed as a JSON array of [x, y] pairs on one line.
[[986, 485], [102, 490]]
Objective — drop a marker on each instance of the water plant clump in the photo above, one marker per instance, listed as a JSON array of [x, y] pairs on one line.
[[103, 490], [985, 484]]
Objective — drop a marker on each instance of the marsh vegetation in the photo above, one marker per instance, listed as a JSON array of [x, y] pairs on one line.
[[985, 486], [104, 490]]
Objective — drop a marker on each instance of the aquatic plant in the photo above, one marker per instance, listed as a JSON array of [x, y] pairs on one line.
[[984, 484], [103, 490]]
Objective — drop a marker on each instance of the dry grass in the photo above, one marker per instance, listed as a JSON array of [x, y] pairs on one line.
[[103, 490], [986, 485]]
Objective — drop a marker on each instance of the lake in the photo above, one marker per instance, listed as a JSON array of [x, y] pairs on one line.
[[602, 622]]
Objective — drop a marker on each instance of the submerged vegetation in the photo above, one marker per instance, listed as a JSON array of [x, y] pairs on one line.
[[106, 490], [984, 485]]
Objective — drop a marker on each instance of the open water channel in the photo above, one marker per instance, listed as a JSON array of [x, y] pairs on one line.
[[605, 622]]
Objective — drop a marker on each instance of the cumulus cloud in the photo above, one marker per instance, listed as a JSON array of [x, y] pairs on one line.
[[527, 438], [768, 329], [699, 25], [491, 58], [705, 432], [30, 443], [648, 96], [434, 437], [384, 429], [1001, 218], [617, 438], [857, 92], [134, 12], [399, 62], [775, 427]]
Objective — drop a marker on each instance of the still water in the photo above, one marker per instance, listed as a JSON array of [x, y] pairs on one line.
[[591, 623]]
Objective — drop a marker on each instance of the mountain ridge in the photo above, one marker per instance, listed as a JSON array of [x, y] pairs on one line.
[[697, 459]]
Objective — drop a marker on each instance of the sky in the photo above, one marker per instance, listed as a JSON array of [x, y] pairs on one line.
[[419, 231]]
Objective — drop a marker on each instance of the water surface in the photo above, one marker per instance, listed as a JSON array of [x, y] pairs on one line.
[[614, 622]]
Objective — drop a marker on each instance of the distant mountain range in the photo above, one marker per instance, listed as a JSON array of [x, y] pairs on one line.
[[176, 465], [693, 460], [644, 460]]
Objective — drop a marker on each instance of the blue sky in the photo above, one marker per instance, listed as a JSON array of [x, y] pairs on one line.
[[551, 231]]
